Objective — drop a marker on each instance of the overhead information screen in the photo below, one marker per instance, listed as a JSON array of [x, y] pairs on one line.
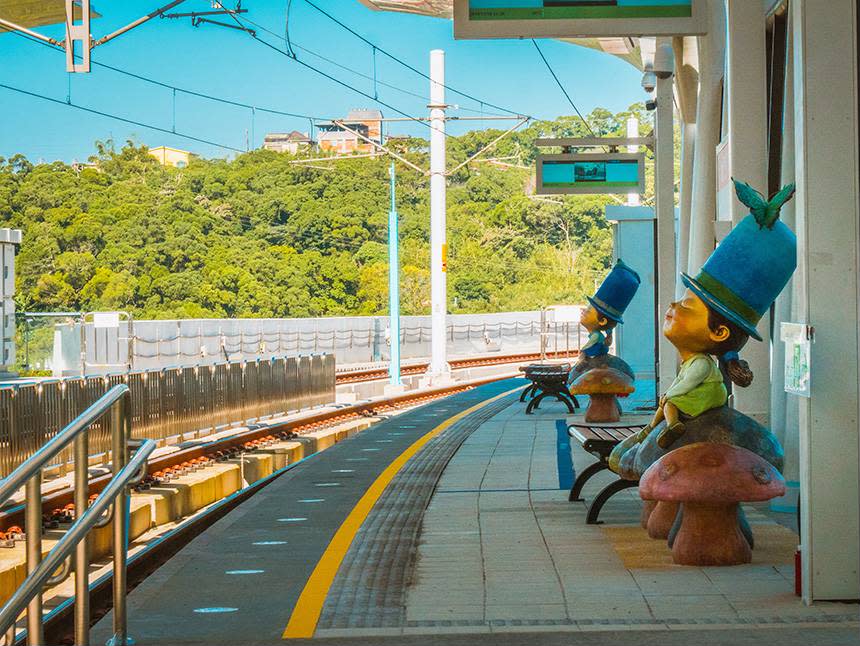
[[576, 18], [590, 173]]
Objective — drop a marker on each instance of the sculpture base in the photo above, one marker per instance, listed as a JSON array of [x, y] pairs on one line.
[[710, 535]]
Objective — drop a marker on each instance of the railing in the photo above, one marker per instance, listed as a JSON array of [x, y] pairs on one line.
[[172, 402], [43, 572]]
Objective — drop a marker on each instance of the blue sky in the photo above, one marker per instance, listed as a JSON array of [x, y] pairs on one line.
[[230, 64]]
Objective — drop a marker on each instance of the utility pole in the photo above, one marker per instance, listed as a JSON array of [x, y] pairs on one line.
[[393, 288], [438, 371]]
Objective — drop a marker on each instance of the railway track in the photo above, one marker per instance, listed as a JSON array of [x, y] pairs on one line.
[[59, 623], [372, 374], [257, 434]]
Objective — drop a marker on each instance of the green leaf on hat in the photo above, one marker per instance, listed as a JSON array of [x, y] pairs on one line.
[[765, 212]]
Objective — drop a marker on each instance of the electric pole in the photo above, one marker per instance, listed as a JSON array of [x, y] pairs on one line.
[[393, 287], [438, 371]]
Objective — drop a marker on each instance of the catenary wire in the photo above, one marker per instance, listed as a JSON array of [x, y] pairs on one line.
[[334, 79], [404, 63], [561, 87], [119, 118]]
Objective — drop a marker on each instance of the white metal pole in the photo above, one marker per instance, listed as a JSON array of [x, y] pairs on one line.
[[633, 131], [393, 287], [438, 242]]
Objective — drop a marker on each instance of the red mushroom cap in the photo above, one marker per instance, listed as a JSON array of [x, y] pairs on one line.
[[602, 381], [707, 472]]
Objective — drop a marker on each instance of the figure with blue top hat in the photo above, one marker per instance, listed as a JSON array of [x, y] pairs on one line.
[[602, 315], [714, 319], [720, 309]]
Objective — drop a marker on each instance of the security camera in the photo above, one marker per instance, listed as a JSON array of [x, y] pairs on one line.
[[649, 81], [651, 105], [664, 58]]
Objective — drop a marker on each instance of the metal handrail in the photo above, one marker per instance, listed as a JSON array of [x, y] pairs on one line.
[[74, 544], [32, 465], [63, 549]]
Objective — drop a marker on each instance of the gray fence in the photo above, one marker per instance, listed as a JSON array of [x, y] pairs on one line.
[[167, 403], [146, 344]]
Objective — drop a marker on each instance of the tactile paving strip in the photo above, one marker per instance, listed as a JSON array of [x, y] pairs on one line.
[[370, 588]]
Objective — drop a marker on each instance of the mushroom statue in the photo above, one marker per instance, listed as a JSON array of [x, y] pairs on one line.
[[603, 386], [710, 480], [600, 318]]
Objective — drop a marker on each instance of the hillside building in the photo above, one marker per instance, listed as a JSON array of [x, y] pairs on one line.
[[334, 138], [288, 142], [167, 156]]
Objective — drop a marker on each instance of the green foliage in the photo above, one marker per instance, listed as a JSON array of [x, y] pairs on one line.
[[265, 236]]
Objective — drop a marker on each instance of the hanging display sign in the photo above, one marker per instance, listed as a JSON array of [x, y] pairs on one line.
[[577, 18], [590, 173]]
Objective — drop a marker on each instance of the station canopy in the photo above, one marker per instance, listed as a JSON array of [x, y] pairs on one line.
[[35, 13], [627, 49]]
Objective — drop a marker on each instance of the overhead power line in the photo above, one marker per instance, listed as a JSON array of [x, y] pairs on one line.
[[119, 118], [330, 77], [561, 87], [405, 64], [183, 90]]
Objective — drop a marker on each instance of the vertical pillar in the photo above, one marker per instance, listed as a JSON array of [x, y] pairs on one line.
[[708, 108], [746, 76], [78, 33], [633, 199], [826, 141], [664, 192], [438, 369], [9, 240], [393, 287], [784, 406], [687, 93], [688, 140]]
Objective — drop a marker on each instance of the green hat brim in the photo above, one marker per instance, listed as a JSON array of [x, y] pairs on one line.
[[714, 302], [602, 310]]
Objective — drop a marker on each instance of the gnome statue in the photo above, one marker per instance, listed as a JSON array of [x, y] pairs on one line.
[[600, 318], [713, 320]]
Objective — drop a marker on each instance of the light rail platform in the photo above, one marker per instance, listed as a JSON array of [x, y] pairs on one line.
[[450, 524]]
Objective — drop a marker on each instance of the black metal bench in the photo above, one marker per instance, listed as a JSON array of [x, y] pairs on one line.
[[599, 440], [548, 380]]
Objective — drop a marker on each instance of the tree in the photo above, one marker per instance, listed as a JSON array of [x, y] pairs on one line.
[[262, 235]]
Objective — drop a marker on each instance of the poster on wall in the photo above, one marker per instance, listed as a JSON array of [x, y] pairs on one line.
[[577, 18], [590, 173], [798, 351]]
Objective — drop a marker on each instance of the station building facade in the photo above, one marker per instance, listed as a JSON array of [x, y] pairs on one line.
[[769, 95]]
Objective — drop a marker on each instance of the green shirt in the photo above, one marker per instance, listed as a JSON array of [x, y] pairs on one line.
[[698, 386]]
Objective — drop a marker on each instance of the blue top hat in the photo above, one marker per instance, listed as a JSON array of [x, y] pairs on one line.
[[616, 292], [752, 265]]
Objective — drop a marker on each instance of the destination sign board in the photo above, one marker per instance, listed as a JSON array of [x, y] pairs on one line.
[[577, 18], [590, 173]]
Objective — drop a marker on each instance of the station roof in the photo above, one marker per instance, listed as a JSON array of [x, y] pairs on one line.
[[36, 13], [625, 48]]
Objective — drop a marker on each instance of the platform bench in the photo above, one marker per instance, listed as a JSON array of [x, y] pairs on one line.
[[599, 440], [548, 380]]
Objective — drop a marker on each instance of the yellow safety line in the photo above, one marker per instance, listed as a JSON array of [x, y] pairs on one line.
[[306, 614]]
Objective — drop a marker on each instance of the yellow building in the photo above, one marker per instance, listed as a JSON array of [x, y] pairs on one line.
[[167, 156]]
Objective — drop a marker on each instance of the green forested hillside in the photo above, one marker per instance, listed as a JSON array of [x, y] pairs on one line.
[[264, 236]]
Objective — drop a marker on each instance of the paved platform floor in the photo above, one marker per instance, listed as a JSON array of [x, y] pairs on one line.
[[501, 547], [473, 541]]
